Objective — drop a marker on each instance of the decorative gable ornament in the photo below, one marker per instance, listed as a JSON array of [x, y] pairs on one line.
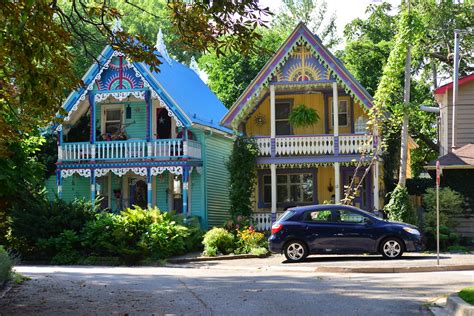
[[161, 47], [193, 65], [117, 26]]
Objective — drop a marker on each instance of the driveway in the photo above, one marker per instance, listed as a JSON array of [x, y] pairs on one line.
[[214, 291]]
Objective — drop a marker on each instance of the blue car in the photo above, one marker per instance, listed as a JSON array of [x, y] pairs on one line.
[[340, 229]]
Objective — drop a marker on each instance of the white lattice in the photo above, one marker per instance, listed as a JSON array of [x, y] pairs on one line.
[[69, 172], [171, 169], [119, 95]]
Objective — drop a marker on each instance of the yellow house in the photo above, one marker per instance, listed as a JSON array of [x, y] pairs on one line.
[[310, 165]]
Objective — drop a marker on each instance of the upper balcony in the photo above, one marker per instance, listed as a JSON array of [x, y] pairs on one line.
[[313, 145], [159, 149]]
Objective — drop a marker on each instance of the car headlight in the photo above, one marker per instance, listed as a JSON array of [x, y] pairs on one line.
[[411, 231]]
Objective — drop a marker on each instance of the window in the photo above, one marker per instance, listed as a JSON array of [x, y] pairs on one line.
[[343, 113], [282, 113], [318, 216], [113, 121], [346, 216], [297, 188]]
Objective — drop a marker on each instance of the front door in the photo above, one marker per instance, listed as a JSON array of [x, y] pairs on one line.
[[163, 124], [362, 198], [138, 192]]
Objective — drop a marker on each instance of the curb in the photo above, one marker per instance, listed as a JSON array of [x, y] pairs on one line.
[[5, 288], [457, 306], [218, 258], [396, 269]]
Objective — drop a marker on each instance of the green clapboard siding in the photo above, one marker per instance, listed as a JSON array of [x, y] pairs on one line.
[[161, 195], [76, 186], [218, 149], [135, 127], [51, 188], [197, 200]]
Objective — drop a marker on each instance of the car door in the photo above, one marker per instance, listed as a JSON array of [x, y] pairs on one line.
[[356, 231], [319, 230]]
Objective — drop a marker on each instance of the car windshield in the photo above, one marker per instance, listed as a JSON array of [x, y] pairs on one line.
[[286, 215]]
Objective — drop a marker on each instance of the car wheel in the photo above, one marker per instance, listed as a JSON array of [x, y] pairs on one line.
[[295, 251], [391, 248]]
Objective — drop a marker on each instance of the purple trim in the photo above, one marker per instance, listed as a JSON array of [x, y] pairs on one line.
[[333, 63], [309, 159], [336, 145], [260, 185], [272, 147], [299, 83]]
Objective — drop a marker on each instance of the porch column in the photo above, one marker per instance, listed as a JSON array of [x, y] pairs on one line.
[[337, 183], [59, 182], [93, 125], [272, 120], [149, 122], [185, 190], [93, 185], [335, 114], [149, 186], [185, 143], [376, 175], [274, 190]]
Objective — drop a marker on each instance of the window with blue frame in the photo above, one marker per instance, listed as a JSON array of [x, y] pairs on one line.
[[291, 188]]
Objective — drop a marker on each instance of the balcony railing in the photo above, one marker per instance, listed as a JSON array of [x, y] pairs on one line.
[[262, 221], [130, 150], [309, 145]]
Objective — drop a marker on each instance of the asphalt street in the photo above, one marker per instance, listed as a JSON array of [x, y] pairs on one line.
[[212, 291]]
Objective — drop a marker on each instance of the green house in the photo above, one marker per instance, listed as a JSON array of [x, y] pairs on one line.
[[134, 136]]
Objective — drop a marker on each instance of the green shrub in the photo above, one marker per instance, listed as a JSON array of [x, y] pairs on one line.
[[303, 116], [467, 294], [450, 204], [6, 265], [65, 248], [248, 240], [218, 240], [399, 208]]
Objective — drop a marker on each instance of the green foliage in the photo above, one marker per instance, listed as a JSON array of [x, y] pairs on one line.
[[467, 294], [248, 240], [303, 116], [460, 181], [64, 248], [218, 240], [6, 265], [418, 186], [399, 208], [242, 171]]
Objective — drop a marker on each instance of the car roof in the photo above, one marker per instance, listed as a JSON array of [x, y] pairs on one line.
[[300, 209]]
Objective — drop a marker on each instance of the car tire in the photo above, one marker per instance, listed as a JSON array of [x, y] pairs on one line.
[[295, 251], [391, 248]]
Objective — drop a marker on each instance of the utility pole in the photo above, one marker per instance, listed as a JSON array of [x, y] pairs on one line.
[[406, 103]]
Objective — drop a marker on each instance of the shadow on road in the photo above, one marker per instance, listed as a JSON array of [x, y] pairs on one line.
[[342, 258]]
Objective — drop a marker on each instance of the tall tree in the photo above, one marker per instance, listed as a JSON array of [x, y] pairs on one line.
[[36, 65]]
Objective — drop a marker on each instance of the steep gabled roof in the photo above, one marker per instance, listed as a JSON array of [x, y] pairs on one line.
[[185, 94], [449, 86], [301, 35]]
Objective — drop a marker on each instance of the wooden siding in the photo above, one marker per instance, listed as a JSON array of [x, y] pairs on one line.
[[76, 186], [51, 187], [315, 101], [162, 185], [197, 200], [217, 153], [135, 127], [464, 115]]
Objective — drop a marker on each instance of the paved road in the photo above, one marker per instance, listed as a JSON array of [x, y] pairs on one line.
[[213, 291]]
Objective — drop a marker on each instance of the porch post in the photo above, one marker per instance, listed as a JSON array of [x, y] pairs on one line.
[[185, 190], [93, 125], [337, 183], [59, 182], [93, 185], [335, 114], [149, 195], [274, 190], [149, 122], [375, 174], [185, 142]]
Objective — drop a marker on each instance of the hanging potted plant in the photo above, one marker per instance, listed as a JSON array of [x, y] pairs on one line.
[[303, 116]]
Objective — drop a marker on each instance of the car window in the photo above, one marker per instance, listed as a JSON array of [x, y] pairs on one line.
[[346, 216], [286, 215], [318, 216]]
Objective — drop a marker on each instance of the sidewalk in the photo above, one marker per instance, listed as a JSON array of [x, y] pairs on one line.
[[410, 262]]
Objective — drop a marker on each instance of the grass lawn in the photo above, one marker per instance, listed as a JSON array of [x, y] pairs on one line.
[[467, 294]]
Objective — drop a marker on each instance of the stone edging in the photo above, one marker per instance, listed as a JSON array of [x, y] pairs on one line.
[[457, 306], [217, 258], [396, 269]]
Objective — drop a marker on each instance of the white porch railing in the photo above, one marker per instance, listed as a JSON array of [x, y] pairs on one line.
[[304, 145], [130, 149], [354, 144], [262, 221], [264, 145]]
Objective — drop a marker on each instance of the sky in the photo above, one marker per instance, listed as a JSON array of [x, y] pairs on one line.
[[345, 10]]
